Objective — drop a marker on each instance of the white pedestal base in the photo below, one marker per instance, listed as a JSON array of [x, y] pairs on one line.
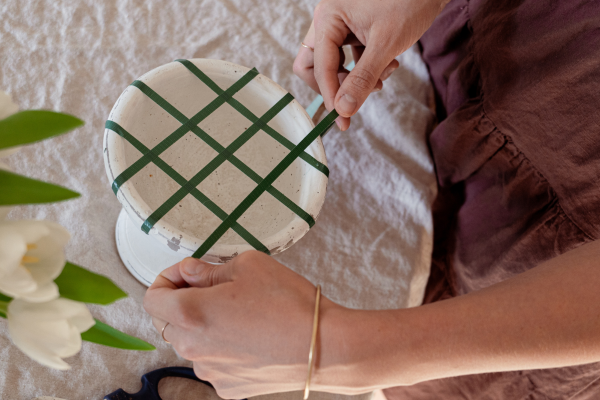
[[143, 256]]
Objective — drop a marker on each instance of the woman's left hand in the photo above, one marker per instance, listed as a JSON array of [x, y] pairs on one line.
[[246, 324]]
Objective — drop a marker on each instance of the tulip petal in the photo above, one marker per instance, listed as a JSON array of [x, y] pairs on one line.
[[49, 239], [47, 268], [48, 331], [12, 250], [83, 321], [18, 283], [44, 293], [59, 234], [50, 251], [43, 356], [73, 344], [52, 310], [51, 335], [33, 340], [31, 231]]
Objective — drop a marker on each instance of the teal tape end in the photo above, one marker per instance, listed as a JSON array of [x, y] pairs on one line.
[[314, 106], [148, 224]]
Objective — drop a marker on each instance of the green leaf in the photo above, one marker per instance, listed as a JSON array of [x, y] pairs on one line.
[[34, 125], [3, 308], [5, 298], [79, 284], [111, 337], [18, 189]]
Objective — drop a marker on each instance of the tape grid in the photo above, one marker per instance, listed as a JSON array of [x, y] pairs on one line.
[[248, 114], [321, 128], [182, 130], [201, 197], [224, 154]]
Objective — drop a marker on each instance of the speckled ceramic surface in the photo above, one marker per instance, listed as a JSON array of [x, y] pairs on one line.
[[183, 229]]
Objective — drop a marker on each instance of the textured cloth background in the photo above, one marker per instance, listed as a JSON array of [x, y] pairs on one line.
[[371, 245]]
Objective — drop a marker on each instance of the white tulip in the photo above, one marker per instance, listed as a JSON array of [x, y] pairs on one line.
[[31, 257], [7, 108], [48, 332]]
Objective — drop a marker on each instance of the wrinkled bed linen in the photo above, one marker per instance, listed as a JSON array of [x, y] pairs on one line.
[[372, 242]]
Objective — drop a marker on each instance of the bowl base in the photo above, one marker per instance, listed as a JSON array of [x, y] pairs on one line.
[[140, 253]]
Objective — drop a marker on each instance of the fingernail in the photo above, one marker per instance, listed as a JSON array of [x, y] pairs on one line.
[[191, 266], [346, 104], [338, 123], [376, 89], [387, 72]]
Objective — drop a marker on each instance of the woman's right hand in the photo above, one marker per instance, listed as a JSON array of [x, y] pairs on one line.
[[378, 31]]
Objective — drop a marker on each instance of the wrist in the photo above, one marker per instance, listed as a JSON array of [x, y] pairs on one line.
[[359, 350], [336, 359]]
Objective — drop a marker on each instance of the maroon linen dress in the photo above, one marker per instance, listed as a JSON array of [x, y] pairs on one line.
[[517, 155]]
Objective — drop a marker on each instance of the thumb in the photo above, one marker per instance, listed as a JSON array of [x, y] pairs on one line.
[[361, 81], [198, 273]]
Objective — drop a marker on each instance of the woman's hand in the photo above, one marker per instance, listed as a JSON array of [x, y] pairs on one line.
[[246, 324], [378, 31]]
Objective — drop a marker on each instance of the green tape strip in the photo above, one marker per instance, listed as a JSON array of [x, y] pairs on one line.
[[224, 154], [151, 221], [182, 130], [253, 118], [320, 129], [201, 197]]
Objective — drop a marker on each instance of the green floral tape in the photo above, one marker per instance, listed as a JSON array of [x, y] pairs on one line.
[[253, 118], [320, 129], [201, 197], [179, 132]]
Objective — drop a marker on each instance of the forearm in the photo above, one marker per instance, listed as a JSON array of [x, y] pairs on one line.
[[544, 318]]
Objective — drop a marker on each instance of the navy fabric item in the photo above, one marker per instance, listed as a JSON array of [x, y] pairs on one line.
[[150, 382]]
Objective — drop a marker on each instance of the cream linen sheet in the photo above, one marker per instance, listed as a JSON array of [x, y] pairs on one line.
[[371, 245]]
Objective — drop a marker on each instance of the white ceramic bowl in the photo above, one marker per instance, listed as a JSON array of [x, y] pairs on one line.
[[185, 227]]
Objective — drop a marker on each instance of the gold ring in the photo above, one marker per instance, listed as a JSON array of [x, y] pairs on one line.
[[163, 333], [307, 46]]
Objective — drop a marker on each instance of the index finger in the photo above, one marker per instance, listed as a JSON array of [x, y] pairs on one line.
[[330, 33], [304, 62], [169, 278], [158, 296]]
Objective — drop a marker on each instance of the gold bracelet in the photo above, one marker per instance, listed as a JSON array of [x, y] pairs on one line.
[[313, 341]]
